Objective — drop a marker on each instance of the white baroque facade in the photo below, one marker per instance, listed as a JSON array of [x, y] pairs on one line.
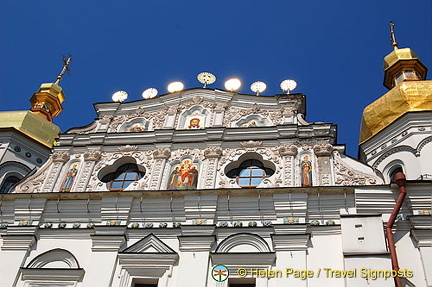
[[159, 192]]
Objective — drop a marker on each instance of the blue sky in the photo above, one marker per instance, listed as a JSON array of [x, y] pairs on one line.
[[333, 49]]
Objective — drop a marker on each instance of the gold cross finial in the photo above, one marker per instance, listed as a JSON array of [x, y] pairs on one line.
[[392, 36], [66, 62]]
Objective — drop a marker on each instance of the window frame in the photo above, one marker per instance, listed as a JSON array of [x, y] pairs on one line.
[[251, 176], [4, 188], [250, 165], [121, 176]]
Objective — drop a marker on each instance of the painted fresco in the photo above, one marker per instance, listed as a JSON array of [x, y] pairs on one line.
[[306, 170], [250, 124], [184, 176], [194, 121], [69, 178]]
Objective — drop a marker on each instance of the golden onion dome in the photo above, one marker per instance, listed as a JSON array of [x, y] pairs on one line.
[[402, 61], [407, 96], [397, 55], [30, 124]]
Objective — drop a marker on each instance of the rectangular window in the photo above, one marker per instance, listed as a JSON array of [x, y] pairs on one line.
[[145, 283], [242, 282]]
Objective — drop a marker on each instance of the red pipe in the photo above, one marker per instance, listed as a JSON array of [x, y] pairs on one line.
[[400, 180]]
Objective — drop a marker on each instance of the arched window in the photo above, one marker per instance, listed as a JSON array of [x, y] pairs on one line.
[[393, 172], [250, 173], [8, 183], [122, 177]]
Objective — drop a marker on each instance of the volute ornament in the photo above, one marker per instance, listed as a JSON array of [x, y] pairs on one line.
[[162, 153], [172, 110], [60, 156], [287, 150], [220, 107], [92, 155], [128, 148], [105, 119], [251, 144], [323, 149], [347, 176], [255, 108], [197, 99], [213, 152]]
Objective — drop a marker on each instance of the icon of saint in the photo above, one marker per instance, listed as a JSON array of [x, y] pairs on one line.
[[69, 178], [194, 123], [306, 171], [184, 176]]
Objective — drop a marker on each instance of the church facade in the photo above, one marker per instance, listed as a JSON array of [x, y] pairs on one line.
[[207, 187]]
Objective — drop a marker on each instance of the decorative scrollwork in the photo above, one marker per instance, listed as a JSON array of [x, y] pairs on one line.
[[92, 155], [213, 152], [60, 156], [287, 150], [162, 153], [324, 149], [347, 176]]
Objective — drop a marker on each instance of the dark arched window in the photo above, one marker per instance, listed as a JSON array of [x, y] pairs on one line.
[[8, 183], [394, 171], [122, 177], [250, 173]]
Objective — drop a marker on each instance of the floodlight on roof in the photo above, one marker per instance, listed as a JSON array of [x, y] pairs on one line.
[[233, 84], [149, 93], [288, 85], [119, 96], [206, 78], [258, 87], [175, 87]]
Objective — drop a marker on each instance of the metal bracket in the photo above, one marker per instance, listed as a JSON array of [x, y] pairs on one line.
[[57, 204], [87, 204], [29, 205], [290, 204], [259, 200], [171, 201], [319, 207], [199, 201], [228, 197], [346, 207]]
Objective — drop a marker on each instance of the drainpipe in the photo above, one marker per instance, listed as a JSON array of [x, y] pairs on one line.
[[400, 180]]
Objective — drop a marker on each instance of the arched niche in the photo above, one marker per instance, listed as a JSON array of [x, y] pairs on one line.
[[52, 267], [243, 243], [252, 121], [196, 117], [68, 176], [307, 172], [392, 168], [135, 125], [13, 167], [55, 258]]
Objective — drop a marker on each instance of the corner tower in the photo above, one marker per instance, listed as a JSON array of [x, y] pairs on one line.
[[395, 132], [26, 137]]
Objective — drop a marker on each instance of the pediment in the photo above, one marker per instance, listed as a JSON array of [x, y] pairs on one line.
[[149, 245], [206, 108]]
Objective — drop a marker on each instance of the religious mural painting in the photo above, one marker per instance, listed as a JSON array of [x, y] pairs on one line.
[[250, 124], [69, 178], [194, 121], [184, 176], [136, 128], [306, 170]]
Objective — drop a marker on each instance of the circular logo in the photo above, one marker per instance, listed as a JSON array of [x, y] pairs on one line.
[[220, 273]]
